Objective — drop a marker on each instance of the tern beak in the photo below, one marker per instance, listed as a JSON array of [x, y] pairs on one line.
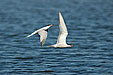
[[51, 25]]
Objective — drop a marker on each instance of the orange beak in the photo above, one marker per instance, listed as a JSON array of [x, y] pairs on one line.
[[51, 25]]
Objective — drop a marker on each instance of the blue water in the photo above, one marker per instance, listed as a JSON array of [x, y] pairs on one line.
[[90, 27]]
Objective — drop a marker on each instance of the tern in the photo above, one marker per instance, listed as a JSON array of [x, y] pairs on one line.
[[42, 33], [61, 41]]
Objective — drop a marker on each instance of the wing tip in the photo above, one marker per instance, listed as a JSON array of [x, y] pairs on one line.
[[59, 12], [41, 44], [27, 36]]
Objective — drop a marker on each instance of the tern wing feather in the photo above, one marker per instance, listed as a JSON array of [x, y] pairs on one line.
[[35, 32], [62, 24], [43, 36], [63, 31]]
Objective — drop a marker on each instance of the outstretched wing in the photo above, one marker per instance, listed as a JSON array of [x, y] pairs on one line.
[[44, 28], [43, 36], [35, 32], [63, 31]]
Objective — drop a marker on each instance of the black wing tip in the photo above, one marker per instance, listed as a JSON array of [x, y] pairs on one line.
[[41, 44]]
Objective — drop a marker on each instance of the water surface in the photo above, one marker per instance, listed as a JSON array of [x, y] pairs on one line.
[[90, 27]]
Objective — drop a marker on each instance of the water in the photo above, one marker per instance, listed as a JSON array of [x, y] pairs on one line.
[[90, 26]]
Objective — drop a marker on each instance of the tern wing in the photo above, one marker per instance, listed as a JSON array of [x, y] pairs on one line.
[[63, 31], [43, 36], [44, 28], [35, 32]]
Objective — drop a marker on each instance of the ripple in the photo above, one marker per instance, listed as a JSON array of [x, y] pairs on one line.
[[90, 31]]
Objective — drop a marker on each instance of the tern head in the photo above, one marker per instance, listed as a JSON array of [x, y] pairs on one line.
[[51, 25], [70, 45], [48, 26]]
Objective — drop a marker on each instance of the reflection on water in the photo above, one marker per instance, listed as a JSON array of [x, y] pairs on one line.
[[90, 31]]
